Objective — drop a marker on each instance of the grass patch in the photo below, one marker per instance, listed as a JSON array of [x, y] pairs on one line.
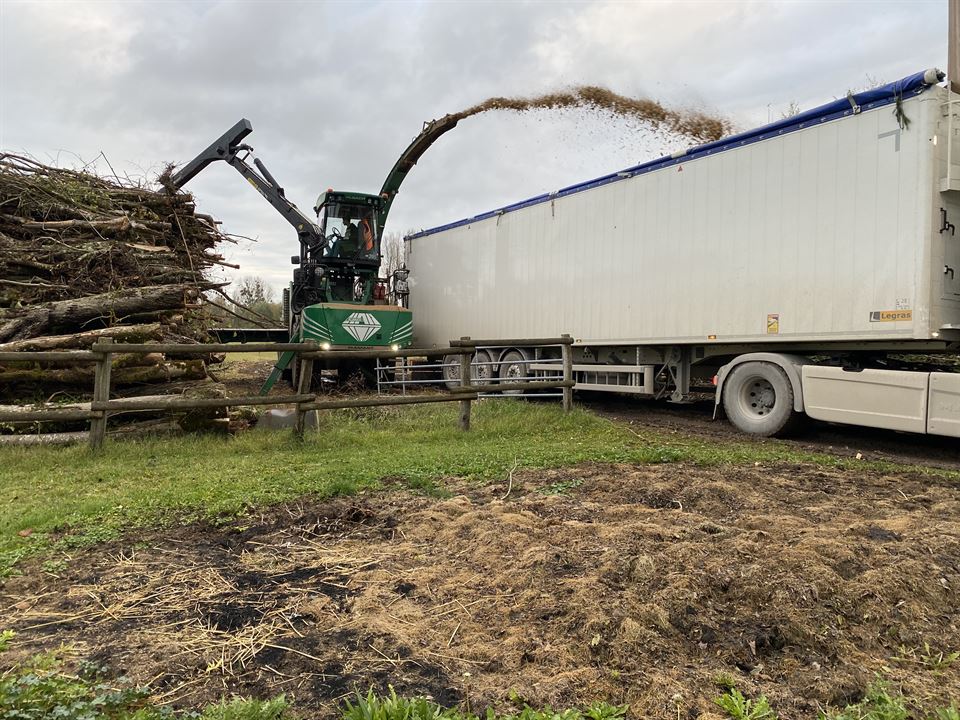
[[46, 491], [392, 707], [84, 498], [740, 708], [42, 689], [880, 702]]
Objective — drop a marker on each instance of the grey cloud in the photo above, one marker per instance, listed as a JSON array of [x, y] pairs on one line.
[[336, 91]]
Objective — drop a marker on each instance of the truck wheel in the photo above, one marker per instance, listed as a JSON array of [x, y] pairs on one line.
[[758, 399], [285, 308], [513, 369]]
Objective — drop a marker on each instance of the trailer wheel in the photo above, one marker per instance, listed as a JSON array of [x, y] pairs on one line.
[[482, 368], [513, 369], [451, 371], [758, 399]]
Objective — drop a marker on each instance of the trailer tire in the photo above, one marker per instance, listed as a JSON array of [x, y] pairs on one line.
[[513, 367], [483, 369], [758, 400], [451, 371]]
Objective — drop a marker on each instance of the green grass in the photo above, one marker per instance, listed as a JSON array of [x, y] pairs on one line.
[[86, 497], [880, 702], [392, 707], [740, 708], [42, 689], [246, 357]]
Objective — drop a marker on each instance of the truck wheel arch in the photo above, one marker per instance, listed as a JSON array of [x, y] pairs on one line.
[[790, 364]]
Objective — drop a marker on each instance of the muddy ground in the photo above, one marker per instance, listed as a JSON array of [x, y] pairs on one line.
[[636, 584], [696, 420]]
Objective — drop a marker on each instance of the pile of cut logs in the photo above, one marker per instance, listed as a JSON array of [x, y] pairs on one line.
[[83, 256]]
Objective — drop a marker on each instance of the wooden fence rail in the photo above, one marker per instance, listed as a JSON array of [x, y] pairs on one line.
[[102, 351]]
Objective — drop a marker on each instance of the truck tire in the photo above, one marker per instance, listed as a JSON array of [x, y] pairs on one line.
[[758, 400], [285, 308], [513, 368]]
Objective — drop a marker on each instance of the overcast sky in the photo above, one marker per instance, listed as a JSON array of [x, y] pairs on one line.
[[336, 90]]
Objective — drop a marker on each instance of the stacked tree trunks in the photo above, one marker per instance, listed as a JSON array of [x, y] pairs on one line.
[[83, 256]]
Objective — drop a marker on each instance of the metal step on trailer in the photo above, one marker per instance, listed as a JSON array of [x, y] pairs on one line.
[[634, 379]]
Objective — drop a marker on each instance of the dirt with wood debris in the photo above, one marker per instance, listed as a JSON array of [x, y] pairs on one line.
[[636, 584]]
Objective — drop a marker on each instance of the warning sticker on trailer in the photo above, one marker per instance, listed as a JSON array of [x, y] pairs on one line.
[[890, 315], [773, 324]]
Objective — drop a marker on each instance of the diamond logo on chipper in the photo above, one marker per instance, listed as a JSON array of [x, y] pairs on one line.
[[361, 325]]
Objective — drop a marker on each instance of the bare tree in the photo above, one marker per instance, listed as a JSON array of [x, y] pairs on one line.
[[253, 305], [792, 110], [253, 290], [394, 253], [869, 83]]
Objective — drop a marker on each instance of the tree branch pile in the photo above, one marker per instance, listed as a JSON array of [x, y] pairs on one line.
[[83, 256]]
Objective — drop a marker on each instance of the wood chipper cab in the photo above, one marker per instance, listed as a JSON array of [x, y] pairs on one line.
[[349, 224]]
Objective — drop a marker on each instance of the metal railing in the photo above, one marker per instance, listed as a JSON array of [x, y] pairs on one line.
[[419, 373], [101, 354]]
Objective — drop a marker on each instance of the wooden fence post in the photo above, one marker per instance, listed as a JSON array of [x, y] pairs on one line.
[[303, 388], [566, 352], [101, 393], [465, 382]]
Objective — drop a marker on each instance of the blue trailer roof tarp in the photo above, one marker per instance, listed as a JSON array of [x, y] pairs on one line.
[[857, 102]]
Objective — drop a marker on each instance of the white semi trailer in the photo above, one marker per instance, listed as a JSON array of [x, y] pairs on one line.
[[785, 264]]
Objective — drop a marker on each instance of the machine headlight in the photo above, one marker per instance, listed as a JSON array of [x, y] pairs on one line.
[[394, 347], [324, 346]]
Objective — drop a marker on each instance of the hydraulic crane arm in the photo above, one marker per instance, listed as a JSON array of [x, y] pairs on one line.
[[391, 186], [228, 147]]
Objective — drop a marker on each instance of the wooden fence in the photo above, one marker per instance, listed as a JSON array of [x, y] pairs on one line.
[[101, 354]]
